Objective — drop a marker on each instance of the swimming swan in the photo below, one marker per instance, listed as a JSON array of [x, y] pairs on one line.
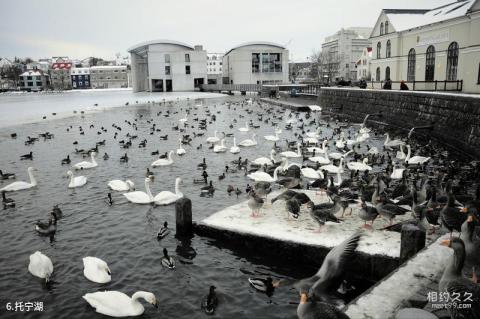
[[139, 197], [121, 186], [40, 266], [17, 186], [118, 304], [166, 197], [76, 181], [96, 270], [85, 164], [163, 161]]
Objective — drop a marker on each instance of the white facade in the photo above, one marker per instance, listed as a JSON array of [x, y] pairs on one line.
[[429, 45], [109, 76], [214, 63], [165, 65], [343, 49], [363, 64], [34, 80], [256, 63]]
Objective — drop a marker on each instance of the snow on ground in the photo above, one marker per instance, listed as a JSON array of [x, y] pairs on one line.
[[273, 224], [385, 299]]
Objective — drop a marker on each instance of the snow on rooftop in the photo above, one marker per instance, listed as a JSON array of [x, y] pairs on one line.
[[273, 224], [32, 73]]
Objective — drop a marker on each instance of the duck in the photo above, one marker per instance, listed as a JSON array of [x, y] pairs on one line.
[[27, 156], [117, 304], [7, 202], [106, 156], [76, 181], [210, 301], [109, 199], [167, 261], [220, 148], [265, 160], [17, 186], [86, 164], [124, 158], [49, 228], [4, 176], [96, 270], [264, 177], [213, 139], [163, 232], [139, 197], [163, 161], [180, 150], [40, 266], [167, 197], [290, 154], [248, 142], [66, 160], [415, 160], [234, 149], [121, 186], [266, 285]]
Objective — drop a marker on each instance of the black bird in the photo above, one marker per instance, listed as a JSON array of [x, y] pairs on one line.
[[453, 217], [164, 231], [56, 212], [124, 158], [27, 156], [167, 261], [66, 160], [7, 202], [4, 176], [292, 207], [266, 286], [210, 301], [109, 199]]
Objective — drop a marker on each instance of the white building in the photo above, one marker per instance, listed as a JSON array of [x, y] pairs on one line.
[[256, 63], [109, 76], [429, 45], [363, 64], [343, 49], [34, 80], [214, 63], [165, 65], [41, 65]]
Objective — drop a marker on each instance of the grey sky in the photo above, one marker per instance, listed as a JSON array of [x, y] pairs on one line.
[[101, 28]]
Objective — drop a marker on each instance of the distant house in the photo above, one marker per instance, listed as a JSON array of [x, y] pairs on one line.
[[60, 74], [34, 80], [109, 76], [363, 64], [80, 78]]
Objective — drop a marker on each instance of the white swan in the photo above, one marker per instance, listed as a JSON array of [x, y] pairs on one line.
[[392, 143], [292, 154], [166, 197], [139, 197], [213, 139], [76, 181], [359, 166], [86, 164], [183, 120], [318, 150], [264, 177], [340, 143], [272, 138], [164, 161], [286, 165], [311, 140], [333, 168], [310, 173], [265, 160], [17, 186], [40, 266], [234, 149], [401, 154], [320, 159], [220, 148], [96, 270], [180, 150], [373, 151], [248, 142], [416, 160], [397, 173], [121, 186], [337, 155], [315, 134], [118, 304], [244, 129]]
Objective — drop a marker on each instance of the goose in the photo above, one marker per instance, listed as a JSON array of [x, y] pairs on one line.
[[121, 186], [66, 160], [96, 270], [272, 138], [244, 129], [234, 149], [320, 159], [40, 266], [313, 309], [264, 177], [117, 304], [213, 139], [164, 231], [400, 154], [5, 176], [291, 154], [139, 197], [180, 150], [392, 143], [333, 168], [49, 228], [210, 301], [16, 186], [167, 261], [7, 202], [248, 142], [163, 161], [337, 155], [416, 160], [166, 197], [359, 166], [220, 148], [86, 164], [310, 173], [265, 160], [76, 181]]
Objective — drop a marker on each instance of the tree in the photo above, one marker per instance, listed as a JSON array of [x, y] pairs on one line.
[[325, 65]]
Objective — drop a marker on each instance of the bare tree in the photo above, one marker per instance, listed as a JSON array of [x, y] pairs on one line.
[[325, 65]]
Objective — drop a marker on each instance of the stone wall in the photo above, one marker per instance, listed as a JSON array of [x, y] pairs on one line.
[[455, 117]]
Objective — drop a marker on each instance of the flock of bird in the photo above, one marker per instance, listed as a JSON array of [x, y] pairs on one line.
[[331, 156]]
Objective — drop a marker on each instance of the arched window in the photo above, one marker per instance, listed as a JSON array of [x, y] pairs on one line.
[[452, 61], [379, 49], [387, 73], [411, 65], [430, 64], [388, 49], [386, 27], [381, 28], [377, 74]]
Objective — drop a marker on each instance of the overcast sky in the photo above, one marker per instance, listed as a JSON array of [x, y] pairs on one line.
[[79, 29]]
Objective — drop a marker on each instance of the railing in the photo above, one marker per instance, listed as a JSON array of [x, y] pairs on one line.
[[422, 85], [232, 87], [311, 89]]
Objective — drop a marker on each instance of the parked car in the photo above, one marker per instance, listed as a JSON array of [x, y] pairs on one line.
[[343, 82], [360, 83]]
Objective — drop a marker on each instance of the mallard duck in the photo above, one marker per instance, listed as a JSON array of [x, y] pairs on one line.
[[167, 261], [210, 301]]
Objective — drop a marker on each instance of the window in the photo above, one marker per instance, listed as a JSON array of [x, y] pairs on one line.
[[430, 64], [379, 48], [255, 62], [386, 27], [167, 69], [86, 83], [452, 61], [377, 74], [388, 51], [187, 58], [381, 28], [167, 58], [220, 63], [387, 73], [187, 68], [116, 71], [30, 83], [29, 78], [411, 65], [39, 83]]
